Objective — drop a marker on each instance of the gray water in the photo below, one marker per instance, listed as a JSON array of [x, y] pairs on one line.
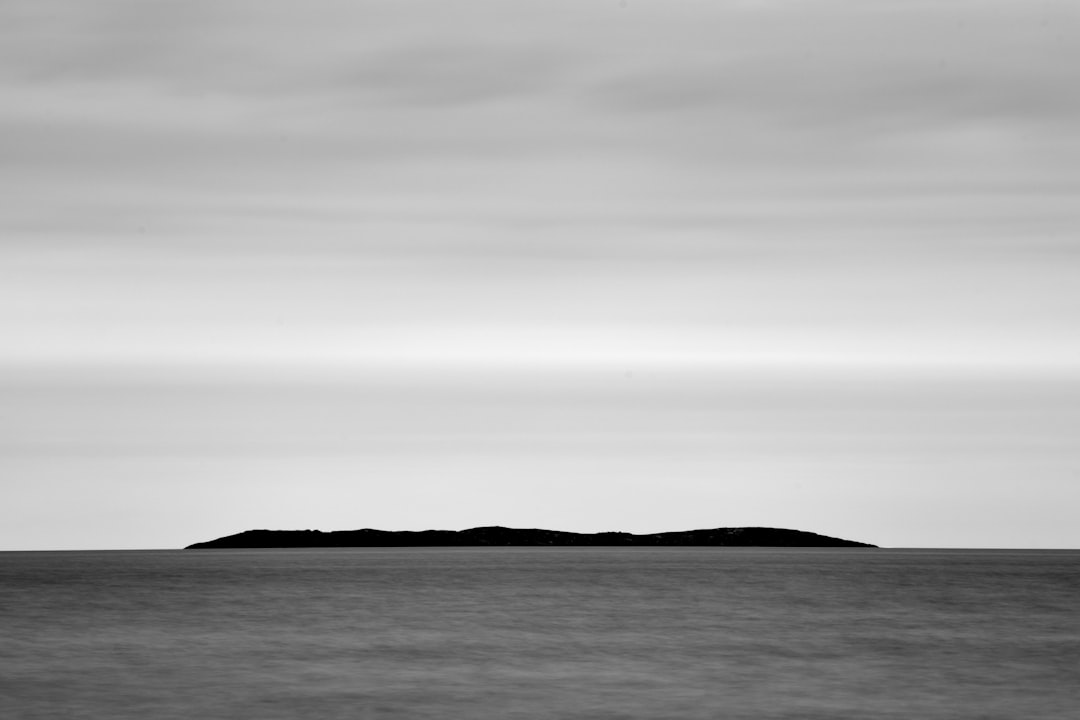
[[598, 633]]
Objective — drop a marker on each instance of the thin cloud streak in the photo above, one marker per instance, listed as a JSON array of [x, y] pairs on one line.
[[395, 410]]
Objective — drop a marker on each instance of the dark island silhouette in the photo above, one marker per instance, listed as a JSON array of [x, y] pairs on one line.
[[503, 536]]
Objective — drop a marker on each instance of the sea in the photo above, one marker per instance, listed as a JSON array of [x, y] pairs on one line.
[[540, 633]]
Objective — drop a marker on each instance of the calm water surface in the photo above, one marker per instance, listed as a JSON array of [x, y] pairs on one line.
[[598, 633]]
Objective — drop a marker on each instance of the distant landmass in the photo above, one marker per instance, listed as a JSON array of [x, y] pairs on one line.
[[503, 536]]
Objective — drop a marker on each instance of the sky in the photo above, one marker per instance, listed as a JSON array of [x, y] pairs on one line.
[[588, 265]]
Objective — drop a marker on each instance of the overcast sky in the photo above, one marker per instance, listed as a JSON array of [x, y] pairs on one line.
[[586, 265]]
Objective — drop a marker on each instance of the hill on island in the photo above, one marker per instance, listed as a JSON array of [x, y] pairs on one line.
[[502, 536]]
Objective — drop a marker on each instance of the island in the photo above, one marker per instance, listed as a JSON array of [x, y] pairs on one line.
[[502, 536]]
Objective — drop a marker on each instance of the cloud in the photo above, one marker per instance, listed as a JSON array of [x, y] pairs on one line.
[[505, 170], [827, 64], [241, 93], [393, 410], [450, 75]]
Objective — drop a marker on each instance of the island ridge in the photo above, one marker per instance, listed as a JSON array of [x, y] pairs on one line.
[[503, 536]]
